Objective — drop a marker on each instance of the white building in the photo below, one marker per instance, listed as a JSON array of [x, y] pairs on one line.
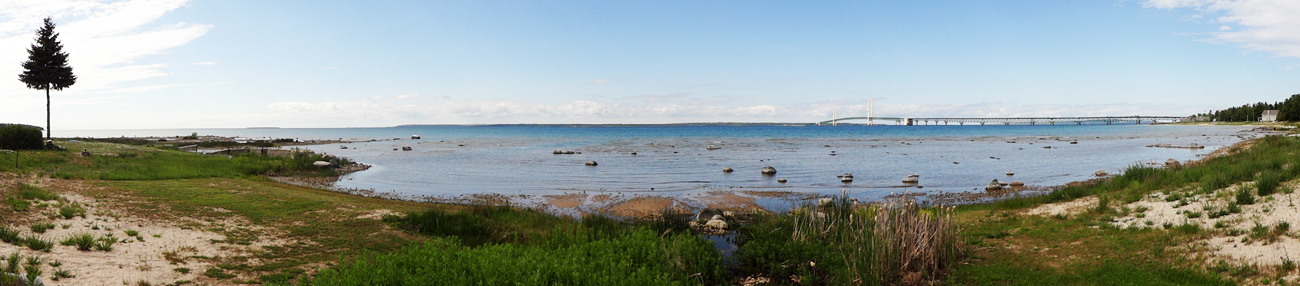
[[1268, 116]]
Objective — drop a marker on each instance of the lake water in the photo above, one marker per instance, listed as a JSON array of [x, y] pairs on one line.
[[675, 161]]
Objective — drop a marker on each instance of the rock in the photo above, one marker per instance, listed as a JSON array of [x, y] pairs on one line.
[[716, 217], [780, 181], [406, 148], [768, 170], [1003, 184], [1074, 142], [557, 152], [334, 162], [994, 185], [718, 224], [711, 147], [590, 163], [824, 201], [912, 179], [727, 169], [728, 213], [568, 152], [320, 164], [706, 214], [847, 177], [1017, 184], [1100, 173], [415, 136], [1011, 174], [1171, 162], [633, 153], [86, 153], [693, 224]]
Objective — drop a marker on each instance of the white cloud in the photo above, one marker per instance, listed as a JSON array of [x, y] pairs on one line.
[[406, 96], [1264, 25], [375, 112], [598, 81], [104, 39], [204, 63]]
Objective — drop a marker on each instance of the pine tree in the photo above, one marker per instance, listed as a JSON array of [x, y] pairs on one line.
[[47, 67]]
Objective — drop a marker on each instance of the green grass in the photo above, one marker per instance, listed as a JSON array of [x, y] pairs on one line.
[[18, 205], [641, 257], [42, 227], [83, 241], [137, 163], [1271, 157], [30, 192]]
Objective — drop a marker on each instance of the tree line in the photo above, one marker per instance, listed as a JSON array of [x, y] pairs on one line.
[[1288, 110]]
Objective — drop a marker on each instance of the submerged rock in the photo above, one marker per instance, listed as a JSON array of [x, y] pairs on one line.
[[590, 163], [1017, 184], [768, 170], [1100, 173], [727, 169]]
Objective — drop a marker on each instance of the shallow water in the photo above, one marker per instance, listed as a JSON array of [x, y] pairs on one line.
[[674, 161]]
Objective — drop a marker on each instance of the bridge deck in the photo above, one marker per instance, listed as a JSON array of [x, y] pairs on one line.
[[1012, 120]]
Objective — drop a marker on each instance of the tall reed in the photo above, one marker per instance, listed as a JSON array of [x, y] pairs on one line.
[[896, 242]]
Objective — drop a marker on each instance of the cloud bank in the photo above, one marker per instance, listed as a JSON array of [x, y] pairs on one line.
[[1271, 26], [389, 111]]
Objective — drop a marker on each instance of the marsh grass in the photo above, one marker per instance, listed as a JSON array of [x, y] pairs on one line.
[[891, 243], [70, 210]]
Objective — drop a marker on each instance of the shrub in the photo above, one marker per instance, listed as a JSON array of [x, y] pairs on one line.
[[83, 242], [1244, 197], [67, 211], [1267, 182], [36, 243], [20, 137], [42, 227], [9, 235]]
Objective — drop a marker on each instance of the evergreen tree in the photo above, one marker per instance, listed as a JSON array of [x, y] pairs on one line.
[[47, 67]]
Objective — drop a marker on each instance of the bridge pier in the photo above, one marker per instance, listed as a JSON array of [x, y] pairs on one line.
[[1052, 123]]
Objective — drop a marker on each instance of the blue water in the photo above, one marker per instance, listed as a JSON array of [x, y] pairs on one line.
[[674, 161]]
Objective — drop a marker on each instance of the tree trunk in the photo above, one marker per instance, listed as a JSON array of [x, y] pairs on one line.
[[47, 115]]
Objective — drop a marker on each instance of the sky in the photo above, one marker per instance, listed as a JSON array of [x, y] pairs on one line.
[[151, 64]]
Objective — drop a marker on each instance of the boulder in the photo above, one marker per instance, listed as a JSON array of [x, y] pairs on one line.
[[557, 152], [1172, 162], [706, 214], [590, 163], [718, 224], [847, 177], [994, 185], [334, 162], [406, 148], [824, 201], [727, 169], [716, 217], [1100, 173], [780, 181], [728, 213], [1017, 184], [321, 164], [568, 152], [768, 170], [711, 147], [633, 153], [86, 153], [912, 179], [1011, 174]]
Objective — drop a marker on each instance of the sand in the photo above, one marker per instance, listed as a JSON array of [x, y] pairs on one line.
[[135, 259]]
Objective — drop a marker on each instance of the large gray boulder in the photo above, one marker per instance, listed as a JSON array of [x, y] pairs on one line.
[[321, 164], [912, 179], [768, 170], [994, 185]]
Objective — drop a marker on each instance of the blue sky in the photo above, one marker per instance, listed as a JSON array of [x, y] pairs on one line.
[[229, 63]]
